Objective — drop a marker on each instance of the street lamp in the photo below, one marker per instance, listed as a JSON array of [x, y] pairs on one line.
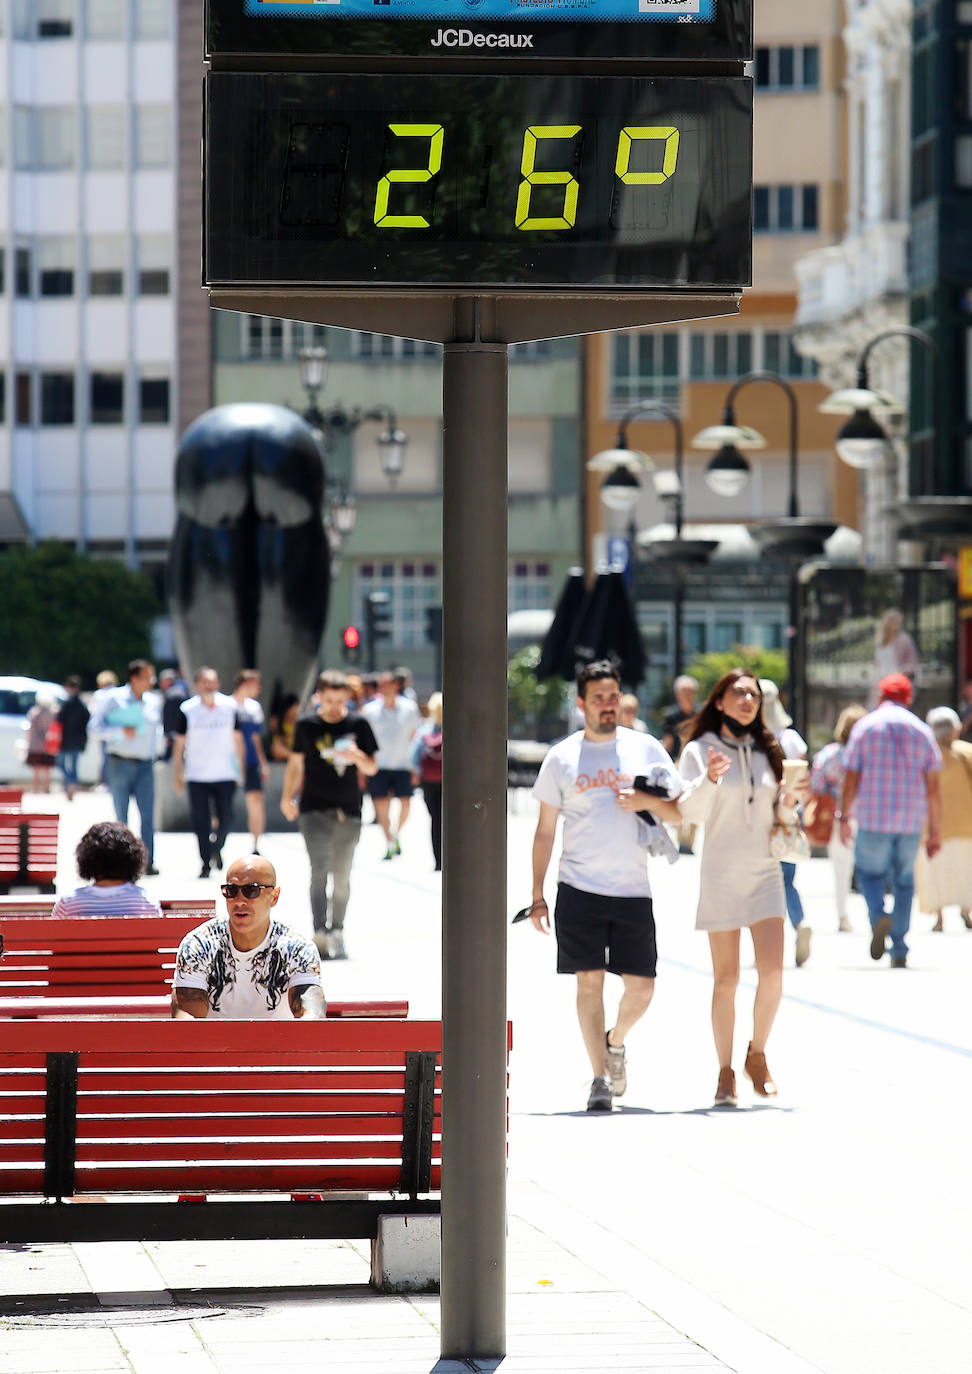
[[792, 538], [340, 514], [669, 486]]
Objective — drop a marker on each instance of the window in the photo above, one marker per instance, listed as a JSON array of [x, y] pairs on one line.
[[107, 398], [785, 209], [152, 18], [788, 68], [644, 367], [365, 345], [153, 135], [23, 273], [106, 265], [55, 266], [410, 587], [23, 398], [153, 253], [720, 355], [780, 355], [57, 398], [265, 337], [153, 401], [104, 19], [44, 138], [528, 585], [104, 131], [55, 18]]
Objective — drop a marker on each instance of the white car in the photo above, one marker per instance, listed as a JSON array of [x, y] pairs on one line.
[[17, 696]]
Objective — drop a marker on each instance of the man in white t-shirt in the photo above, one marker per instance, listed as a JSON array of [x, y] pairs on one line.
[[246, 965], [207, 753], [603, 916], [393, 720]]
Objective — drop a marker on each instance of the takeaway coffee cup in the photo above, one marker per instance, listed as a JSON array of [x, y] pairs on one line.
[[794, 771]]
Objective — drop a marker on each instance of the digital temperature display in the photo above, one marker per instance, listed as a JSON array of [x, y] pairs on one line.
[[460, 180]]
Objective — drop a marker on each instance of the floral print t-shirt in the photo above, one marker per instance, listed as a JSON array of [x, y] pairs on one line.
[[244, 985]]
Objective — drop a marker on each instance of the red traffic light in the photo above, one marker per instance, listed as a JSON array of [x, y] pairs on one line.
[[352, 637]]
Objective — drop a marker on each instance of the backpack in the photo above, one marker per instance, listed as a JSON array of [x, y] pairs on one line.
[[430, 762]]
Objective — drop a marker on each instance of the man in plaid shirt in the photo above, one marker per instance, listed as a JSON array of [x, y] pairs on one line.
[[893, 767]]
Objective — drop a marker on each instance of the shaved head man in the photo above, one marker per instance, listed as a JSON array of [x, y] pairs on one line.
[[247, 965]]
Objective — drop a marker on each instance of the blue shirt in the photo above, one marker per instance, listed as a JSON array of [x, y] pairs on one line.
[[118, 708]]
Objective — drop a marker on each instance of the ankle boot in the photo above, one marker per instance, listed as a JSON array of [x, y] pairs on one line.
[[725, 1094], [759, 1073]]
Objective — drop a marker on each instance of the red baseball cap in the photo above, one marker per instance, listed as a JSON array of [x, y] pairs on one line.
[[896, 687]]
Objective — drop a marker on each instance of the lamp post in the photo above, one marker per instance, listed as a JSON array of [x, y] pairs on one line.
[[669, 486], [863, 440], [792, 538], [340, 514]]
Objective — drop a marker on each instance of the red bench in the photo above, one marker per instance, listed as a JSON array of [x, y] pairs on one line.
[[202, 908], [11, 798], [157, 1119], [108, 965], [28, 849]]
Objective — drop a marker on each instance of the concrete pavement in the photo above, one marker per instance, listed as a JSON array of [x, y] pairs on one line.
[[825, 1231]]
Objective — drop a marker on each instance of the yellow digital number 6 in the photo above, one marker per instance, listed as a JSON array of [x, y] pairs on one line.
[[436, 135], [531, 178]]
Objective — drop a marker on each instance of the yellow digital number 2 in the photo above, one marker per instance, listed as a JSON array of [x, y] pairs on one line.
[[663, 134], [436, 136], [531, 178]]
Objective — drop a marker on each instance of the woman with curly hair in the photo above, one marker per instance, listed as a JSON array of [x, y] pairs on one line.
[[741, 882], [111, 858]]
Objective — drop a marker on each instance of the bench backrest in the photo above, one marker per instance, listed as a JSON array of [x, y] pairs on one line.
[[180, 1107], [11, 797], [90, 956], [202, 908], [28, 845]]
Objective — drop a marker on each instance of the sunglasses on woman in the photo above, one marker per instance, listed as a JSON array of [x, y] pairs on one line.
[[247, 890]]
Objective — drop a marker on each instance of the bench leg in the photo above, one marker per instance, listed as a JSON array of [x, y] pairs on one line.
[[405, 1255]]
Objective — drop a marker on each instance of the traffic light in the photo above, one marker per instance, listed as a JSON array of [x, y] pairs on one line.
[[433, 624], [377, 622], [350, 644]]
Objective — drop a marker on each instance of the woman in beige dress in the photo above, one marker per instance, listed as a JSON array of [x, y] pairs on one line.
[[741, 882], [946, 880]]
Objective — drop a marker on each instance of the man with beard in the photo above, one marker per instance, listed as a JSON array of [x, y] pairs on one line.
[[603, 916]]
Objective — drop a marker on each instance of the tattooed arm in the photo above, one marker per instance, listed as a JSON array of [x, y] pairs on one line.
[[307, 1002], [189, 1004]]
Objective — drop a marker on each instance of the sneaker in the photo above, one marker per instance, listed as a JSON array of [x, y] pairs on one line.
[[880, 933], [204, 871], [151, 871], [843, 924], [389, 853], [600, 1096], [899, 961], [397, 847], [725, 1093], [321, 941], [335, 945], [616, 1069], [804, 936], [218, 860]]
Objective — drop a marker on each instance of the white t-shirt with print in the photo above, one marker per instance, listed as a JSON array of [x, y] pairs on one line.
[[582, 778], [246, 985], [211, 754]]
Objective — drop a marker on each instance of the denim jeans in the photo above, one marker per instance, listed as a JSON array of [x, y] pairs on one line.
[[331, 839], [794, 906], [67, 761], [129, 778], [880, 859]]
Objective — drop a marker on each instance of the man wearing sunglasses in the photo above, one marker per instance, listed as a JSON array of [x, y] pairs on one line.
[[247, 965]]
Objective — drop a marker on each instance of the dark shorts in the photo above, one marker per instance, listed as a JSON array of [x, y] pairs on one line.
[[390, 782], [253, 782], [595, 932]]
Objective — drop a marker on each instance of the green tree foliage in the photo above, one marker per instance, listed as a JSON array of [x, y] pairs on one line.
[[709, 668], [537, 710], [61, 613]]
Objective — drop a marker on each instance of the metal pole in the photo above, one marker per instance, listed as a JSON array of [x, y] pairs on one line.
[[474, 580]]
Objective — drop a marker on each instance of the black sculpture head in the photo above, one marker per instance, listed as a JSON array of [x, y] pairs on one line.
[[249, 566]]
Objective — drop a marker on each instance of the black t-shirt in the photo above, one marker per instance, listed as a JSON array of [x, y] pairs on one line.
[[675, 717], [327, 786]]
